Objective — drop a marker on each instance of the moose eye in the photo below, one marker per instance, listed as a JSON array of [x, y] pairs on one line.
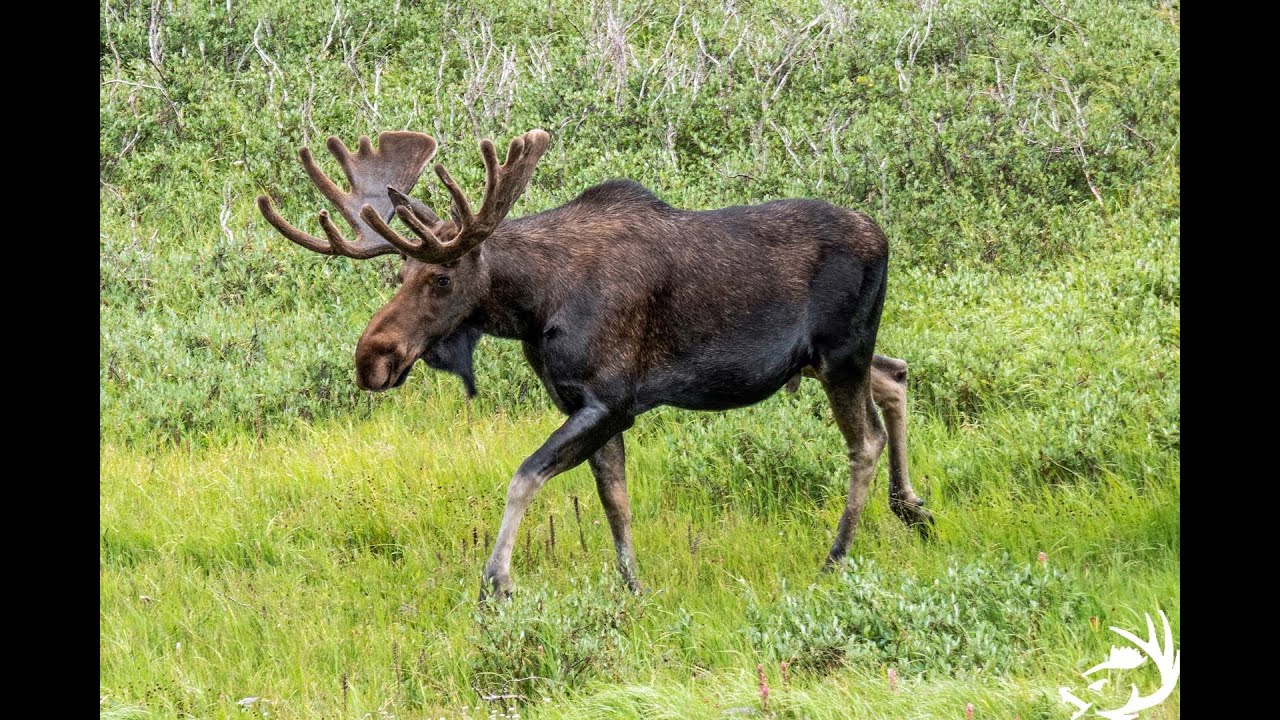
[[442, 281]]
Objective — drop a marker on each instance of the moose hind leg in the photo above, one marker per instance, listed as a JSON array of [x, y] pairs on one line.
[[864, 436], [889, 390], [582, 434], [608, 465]]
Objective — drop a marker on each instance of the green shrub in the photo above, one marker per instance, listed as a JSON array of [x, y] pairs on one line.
[[980, 617], [546, 640]]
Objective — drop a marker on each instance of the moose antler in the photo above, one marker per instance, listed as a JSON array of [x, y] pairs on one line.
[[397, 162], [503, 185]]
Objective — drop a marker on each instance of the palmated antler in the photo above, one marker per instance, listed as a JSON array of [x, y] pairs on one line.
[[503, 185], [397, 162]]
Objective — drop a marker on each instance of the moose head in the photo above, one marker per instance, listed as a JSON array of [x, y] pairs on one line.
[[444, 276]]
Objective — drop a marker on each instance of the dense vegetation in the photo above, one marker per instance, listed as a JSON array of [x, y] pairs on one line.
[[269, 531]]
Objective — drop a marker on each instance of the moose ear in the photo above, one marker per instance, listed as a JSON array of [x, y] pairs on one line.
[[452, 354]]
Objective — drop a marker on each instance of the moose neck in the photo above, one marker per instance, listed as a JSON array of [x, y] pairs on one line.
[[523, 265]]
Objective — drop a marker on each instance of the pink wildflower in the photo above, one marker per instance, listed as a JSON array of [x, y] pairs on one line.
[[764, 688]]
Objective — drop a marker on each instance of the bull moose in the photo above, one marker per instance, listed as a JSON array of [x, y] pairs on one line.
[[622, 303]]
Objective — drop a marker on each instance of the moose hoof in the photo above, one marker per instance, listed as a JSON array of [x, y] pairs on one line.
[[925, 526], [636, 587], [913, 515], [494, 586], [832, 563], [626, 571]]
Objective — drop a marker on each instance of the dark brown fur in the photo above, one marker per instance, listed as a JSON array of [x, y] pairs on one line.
[[624, 303]]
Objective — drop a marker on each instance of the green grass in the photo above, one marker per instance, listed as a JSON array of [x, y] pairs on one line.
[[269, 531], [273, 569]]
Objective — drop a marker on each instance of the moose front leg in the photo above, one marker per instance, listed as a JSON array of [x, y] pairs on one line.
[[889, 391], [582, 434], [609, 466]]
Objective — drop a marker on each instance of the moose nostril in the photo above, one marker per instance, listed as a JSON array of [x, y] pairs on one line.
[[377, 366]]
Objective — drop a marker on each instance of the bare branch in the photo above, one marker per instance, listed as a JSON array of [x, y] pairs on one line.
[[328, 38], [914, 40], [111, 43], [1061, 17], [272, 68], [225, 214], [117, 81], [155, 44]]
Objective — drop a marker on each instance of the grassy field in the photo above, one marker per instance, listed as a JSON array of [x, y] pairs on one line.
[[275, 543]]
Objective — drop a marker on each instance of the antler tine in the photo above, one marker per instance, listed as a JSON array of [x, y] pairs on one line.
[[423, 250], [339, 151], [420, 220], [503, 186], [522, 155], [461, 208], [306, 240], [421, 229], [336, 241], [398, 160], [492, 171], [429, 250], [423, 212], [327, 187]]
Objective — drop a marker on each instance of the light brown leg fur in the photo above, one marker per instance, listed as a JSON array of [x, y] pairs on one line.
[[889, 392], [864, 435], [608, 465]]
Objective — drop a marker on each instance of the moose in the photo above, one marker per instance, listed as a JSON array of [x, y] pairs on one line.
[[622, 303]]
